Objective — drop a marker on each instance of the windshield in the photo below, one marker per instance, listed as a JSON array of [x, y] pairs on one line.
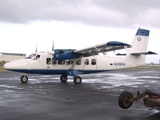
[[30, 56]]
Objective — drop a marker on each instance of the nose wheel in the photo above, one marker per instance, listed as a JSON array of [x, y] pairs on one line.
[[24, 79]]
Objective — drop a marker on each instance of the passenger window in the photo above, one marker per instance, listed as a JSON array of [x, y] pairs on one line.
[[67, 62], [93, 62], [48, 61], [78, 62], [61, 62], [86, 61], [71, 61], [54, 62]]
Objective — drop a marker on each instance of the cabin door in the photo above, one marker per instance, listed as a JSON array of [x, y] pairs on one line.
[[90, 63]]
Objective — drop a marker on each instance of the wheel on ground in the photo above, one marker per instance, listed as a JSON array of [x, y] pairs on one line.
[[77, 80], [24, 79], [63, 78], [124, 100]]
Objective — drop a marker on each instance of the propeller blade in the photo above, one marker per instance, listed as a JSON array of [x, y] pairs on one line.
[[53, 46], [36, 49]]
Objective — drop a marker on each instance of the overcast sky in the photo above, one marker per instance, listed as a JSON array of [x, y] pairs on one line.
[[75, 23]]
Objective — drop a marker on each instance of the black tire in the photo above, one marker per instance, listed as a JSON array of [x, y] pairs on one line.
[[24, 79], [124, 100], [63, 78], [77, 80]]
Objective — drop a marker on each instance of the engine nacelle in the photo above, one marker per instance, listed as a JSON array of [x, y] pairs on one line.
[[63, 54]]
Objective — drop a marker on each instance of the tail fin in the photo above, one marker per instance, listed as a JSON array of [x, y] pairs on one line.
[[139, 45]]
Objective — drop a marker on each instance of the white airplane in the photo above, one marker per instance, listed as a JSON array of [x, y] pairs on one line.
[[75, 62]]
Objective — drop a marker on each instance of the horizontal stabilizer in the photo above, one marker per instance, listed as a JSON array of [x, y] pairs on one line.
[[144, 53], [119, 54]]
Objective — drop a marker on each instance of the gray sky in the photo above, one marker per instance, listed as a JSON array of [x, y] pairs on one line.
[[109, 13], [25, 23]]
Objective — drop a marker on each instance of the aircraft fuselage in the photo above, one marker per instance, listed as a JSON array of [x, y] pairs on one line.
[[46, 64]]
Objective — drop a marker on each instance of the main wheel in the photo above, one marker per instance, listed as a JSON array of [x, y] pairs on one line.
[[124, 100], [77, 80], [63, 78], [24, 79]]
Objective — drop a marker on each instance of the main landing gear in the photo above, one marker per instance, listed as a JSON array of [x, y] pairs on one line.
[[77, 79], [63, 78]]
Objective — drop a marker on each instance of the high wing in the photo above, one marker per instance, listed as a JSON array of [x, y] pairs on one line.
[[101, 48], [63, 54]]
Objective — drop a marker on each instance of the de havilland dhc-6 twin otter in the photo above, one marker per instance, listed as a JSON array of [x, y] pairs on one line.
[[71, 62]]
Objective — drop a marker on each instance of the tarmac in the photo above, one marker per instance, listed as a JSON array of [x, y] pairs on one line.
[[44, 97]]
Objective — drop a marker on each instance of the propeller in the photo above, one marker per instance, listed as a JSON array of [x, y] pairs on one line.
[[53, 46], [51, 52], [36, 49]]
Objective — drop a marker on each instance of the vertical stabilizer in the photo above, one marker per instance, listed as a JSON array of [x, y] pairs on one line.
[[139, 45]]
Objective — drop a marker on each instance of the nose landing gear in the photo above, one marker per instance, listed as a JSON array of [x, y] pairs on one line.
[[24, 79]]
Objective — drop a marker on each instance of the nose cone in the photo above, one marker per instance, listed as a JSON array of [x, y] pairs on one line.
[[15, 65], [8, 66]]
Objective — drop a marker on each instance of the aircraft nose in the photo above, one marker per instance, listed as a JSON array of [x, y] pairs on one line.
[[17, 64], [7, 66]]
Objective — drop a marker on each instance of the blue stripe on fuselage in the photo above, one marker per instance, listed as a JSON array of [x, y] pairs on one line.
[[52, 72]]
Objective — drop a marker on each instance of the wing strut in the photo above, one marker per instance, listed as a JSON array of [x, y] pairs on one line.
[[74, 62]]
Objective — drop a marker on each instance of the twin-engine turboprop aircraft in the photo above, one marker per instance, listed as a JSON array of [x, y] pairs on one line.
[[75, 62]]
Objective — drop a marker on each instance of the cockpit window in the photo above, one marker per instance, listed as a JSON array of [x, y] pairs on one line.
[[31, 56], [37, 57]]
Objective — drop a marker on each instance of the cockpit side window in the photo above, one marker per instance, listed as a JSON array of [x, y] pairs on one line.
[[48, 61], [37, 57]]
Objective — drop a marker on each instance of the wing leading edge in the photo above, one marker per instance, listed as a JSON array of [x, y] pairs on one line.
[[101, 48]]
